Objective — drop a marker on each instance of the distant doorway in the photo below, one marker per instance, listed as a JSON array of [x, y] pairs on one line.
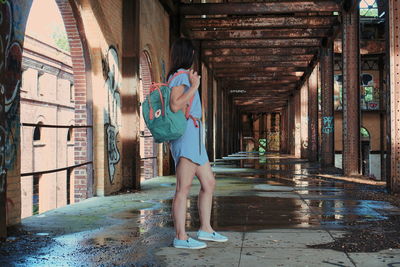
[[365, 151]]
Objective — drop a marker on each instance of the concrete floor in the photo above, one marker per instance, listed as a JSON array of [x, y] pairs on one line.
[[277, 211]]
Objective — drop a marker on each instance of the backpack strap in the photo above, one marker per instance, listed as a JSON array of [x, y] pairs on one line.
[[154, 87], [187, 113]]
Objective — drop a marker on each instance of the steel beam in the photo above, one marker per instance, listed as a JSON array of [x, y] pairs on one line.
[[259, 34], [264, 78], [259, 43], [265, 70], [327, 108], [249, 64], [393, 157], [313, 115], [259, 8], [273, 58], [261, 22], [259, 51], [351, 91]]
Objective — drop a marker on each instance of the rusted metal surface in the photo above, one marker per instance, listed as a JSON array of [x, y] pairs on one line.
[[393, 163], [259, 34], [259, 51], [313, 115], [327, 108], [252, 64], [265, 78], [3, 171], [261, 55], [259, 8], [351, 92], [273, 58], [261, 22], [259, 43], [367, 47], [282, 70]]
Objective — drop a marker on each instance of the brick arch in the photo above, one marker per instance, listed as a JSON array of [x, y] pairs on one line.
[[81, 67], [148, 148]]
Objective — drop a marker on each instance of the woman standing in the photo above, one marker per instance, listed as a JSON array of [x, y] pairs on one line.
[[188, 151]]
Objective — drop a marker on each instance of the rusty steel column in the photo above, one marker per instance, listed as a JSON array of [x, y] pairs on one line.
[[382, 116], [3, 173], [313, 116], [393, 156], [327, 112], [351, 90], [304, 120], [283, 132]]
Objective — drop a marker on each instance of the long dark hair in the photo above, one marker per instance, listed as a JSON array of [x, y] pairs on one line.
[[182, 55]]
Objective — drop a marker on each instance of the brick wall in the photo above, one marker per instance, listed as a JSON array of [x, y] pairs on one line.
[[148, 148], [81, 135]]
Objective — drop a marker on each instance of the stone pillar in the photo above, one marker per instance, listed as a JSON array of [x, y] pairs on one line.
[[351, 90], [327, 109], [313, 116], [393, 158]]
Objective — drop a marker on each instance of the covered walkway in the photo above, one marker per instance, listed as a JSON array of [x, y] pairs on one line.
[[277, 211], [301, 115]]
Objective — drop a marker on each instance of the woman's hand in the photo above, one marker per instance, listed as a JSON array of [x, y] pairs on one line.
[[194, 79]]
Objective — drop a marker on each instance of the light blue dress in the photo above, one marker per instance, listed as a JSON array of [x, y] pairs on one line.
[[190, 145]]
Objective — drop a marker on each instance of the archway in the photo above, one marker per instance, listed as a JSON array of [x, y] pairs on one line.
[[148, 148], [365, 150], [14, 16]]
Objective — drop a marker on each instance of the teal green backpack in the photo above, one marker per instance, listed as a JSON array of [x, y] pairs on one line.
[[164, 124]]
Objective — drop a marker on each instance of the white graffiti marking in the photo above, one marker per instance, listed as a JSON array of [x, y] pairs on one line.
[[112, 120]]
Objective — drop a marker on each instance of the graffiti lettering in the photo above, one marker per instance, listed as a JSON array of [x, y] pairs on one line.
[[112, 112], [327, 125]]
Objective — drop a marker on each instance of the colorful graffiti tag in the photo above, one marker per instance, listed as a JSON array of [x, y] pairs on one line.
[[10, 79], [112, 110], [327, 125]]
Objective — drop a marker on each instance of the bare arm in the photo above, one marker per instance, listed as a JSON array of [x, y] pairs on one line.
[[179, 98]]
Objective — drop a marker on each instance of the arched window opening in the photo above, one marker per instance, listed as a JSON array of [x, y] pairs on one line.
[[69, 134], [37, 133]]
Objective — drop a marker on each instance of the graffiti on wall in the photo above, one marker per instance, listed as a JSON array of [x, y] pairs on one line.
[[327, 125], [112, 109], [369, 91], [10, 80]]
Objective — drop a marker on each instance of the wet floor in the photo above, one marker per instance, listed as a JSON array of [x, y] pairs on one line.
[[283, 202]]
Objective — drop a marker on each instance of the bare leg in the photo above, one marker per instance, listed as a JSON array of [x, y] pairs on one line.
[[207, 181], [184, 176]]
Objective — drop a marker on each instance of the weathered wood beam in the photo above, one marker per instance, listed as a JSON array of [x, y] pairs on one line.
[[259, 34], [270, 58], [258, 43], [260, 8], [259, 51], [261, 22]]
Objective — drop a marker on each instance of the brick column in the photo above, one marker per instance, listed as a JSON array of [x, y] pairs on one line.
[[83, 111], [351, 90]]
